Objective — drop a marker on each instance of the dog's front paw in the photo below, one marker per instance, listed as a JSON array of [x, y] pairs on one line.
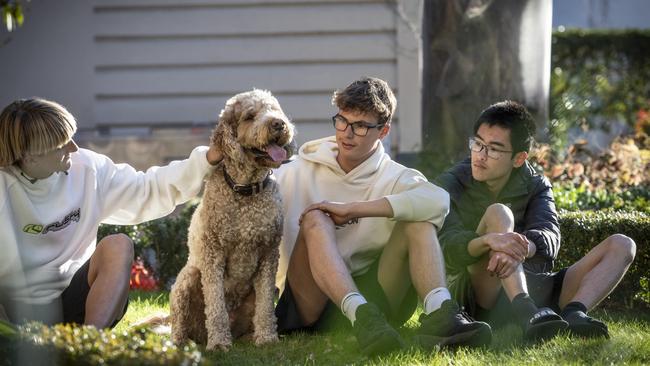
[[218, 344], [261, 339]]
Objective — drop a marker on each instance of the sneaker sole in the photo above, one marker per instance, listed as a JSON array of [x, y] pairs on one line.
[[546, 330], [474, 338], [588, 331]]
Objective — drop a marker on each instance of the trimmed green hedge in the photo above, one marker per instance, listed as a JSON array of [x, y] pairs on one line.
[[581, 231]]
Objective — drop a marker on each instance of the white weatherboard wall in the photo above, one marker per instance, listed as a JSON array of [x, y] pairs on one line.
[[147, 78]]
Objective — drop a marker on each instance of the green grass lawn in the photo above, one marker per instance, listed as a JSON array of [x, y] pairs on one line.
[[629, 344], [129, 345]]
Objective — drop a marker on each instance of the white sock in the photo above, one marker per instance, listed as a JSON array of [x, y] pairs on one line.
[[350, 303], [435, 298]]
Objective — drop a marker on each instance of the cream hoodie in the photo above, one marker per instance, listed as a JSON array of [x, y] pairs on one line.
[[316, 176], [48, 229]]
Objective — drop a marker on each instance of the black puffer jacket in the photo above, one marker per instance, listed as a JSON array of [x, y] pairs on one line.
[[528, 195]]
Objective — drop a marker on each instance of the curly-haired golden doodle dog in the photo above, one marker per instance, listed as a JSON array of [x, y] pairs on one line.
[[226, 289]]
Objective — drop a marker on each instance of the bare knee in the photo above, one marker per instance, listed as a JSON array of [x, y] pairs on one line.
[[621, 245], [315, 220], [117, 247], [498, 218]]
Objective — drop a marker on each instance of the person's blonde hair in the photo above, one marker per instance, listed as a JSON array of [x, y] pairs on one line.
[[33, 127]]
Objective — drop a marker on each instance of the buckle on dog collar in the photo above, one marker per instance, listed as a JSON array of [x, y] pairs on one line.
[[247, 189]]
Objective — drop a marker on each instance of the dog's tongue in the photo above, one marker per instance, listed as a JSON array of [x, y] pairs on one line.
[[276, 153]]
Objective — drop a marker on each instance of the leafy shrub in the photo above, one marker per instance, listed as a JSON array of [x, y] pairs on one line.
[[624, 164], [167, 238], [583, 180], [570, 198], [84, 345], [598, 76], [583, 230]]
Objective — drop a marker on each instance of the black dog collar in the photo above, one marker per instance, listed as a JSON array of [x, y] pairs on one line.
[[247, 189]]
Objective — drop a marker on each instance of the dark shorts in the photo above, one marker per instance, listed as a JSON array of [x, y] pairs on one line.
[[332, 318], [543, 288], [70, 307]]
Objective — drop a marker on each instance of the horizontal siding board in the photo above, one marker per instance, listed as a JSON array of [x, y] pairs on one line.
[[200, 109], [184, 21], [125, 5], [237, 78], [289, 49]]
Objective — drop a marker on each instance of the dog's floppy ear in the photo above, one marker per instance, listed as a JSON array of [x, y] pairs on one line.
[[224, 136]]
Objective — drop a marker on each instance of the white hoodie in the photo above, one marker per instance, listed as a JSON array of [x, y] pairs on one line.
[[48, 229], [316, 176]]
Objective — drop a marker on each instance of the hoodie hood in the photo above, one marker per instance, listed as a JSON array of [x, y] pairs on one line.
[[324, 152]]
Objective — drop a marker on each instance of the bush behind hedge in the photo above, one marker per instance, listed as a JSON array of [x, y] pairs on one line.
[[581, 231]]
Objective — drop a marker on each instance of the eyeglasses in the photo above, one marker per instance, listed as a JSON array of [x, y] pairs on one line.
[[359, 128], [492, 153]]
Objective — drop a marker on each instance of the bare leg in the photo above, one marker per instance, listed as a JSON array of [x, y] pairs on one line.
[[412, 254], [593, 277], [316, 270], [497, 219], [108, 278], [318, 273]]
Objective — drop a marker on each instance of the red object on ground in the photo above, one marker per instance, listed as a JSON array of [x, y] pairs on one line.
[[142, 278]]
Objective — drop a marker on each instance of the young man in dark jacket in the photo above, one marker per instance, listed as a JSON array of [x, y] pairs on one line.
[[502, 235]]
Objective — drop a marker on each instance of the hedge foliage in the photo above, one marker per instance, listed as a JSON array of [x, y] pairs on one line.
[[582, 197], [167, 238], [65, 344], [582, 230]]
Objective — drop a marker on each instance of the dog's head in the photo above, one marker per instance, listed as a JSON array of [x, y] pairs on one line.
[[252, 127]]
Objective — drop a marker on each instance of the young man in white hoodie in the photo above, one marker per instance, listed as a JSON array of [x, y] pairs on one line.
[[360, 235], [53, 196]]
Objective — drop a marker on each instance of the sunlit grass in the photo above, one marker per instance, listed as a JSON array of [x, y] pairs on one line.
[[629, 344]]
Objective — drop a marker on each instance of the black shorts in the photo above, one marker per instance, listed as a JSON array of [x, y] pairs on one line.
[[543, 288], [70, 307], [332, 318]]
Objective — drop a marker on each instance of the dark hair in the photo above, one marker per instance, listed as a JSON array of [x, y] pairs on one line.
[[367, 95], [511, 116]]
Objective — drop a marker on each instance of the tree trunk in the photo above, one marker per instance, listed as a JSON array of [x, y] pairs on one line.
[[476, 53]]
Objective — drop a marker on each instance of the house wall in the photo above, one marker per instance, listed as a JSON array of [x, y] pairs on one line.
[[146, 79]]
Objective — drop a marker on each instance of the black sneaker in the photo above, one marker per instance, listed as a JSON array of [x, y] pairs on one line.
[[448, 326], [543, 325], [583, 325], [374, 334]]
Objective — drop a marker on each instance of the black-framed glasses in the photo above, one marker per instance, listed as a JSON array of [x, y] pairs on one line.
[[492, 153], [359, 128]]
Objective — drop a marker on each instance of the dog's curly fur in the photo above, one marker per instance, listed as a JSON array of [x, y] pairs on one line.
[[227, 286]]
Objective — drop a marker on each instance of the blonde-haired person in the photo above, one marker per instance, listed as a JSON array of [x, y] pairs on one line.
[[53, 196]]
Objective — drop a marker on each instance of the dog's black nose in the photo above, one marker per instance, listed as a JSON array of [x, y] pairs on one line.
[[277, 125]]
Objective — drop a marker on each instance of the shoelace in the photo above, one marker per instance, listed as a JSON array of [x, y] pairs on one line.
[[463, 315]]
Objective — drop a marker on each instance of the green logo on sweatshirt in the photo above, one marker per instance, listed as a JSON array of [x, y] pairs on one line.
[[75, 216], [33, 229]]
